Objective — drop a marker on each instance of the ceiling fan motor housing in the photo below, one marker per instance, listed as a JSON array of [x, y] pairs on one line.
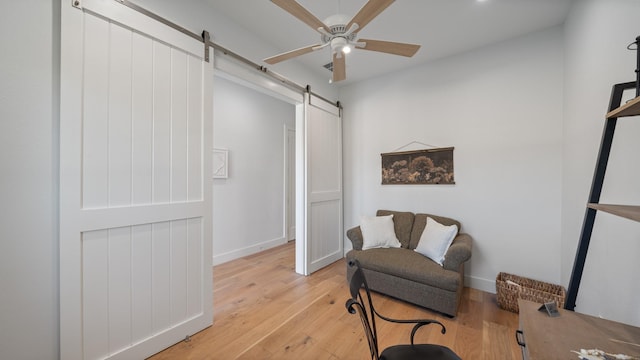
[[338, 25]]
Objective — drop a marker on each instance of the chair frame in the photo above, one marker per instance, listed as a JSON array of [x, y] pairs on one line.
[[368, 313]]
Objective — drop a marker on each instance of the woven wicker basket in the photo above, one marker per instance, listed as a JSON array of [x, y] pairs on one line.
[[527, 289]]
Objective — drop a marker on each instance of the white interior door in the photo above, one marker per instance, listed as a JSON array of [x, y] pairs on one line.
[[319, 226], [135, 184]]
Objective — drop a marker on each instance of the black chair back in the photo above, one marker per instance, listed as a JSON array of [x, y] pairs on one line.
[[364, 308], [362, 305]]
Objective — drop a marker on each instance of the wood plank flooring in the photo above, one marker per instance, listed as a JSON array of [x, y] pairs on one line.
[[264, 310]]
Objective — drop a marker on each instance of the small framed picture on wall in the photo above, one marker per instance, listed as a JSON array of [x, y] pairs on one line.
[[220, 163]]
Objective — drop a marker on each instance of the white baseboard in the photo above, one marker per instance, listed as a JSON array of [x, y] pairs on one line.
[[480, 284], [249, 250]]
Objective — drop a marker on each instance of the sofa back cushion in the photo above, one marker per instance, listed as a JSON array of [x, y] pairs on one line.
[[420, 222], [403, 223]]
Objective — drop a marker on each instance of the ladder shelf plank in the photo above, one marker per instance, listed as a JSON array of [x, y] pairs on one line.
[[631, 108], [631, 212]]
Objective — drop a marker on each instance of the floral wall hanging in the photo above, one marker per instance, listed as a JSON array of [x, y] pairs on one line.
[[429, 166]]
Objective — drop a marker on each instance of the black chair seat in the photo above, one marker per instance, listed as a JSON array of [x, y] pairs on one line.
[[419, 351]]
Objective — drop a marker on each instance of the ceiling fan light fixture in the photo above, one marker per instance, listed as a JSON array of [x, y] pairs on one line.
[[340, 45]]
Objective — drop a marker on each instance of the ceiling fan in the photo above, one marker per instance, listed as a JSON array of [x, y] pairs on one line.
[[340, 34]]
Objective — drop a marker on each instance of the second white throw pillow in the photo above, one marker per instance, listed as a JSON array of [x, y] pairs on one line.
[[435, 240]]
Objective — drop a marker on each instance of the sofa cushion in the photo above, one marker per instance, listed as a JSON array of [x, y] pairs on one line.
[[407, 264], [420, 222], [403, 223], [435, 240], [378, 232]]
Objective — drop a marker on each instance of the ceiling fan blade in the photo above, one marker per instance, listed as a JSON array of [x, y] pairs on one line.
[[339, 68], [297, 10], [389, 47], [368, 12], [291, 54]]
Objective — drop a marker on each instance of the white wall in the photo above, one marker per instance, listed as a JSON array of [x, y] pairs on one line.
[[29, 38], [597, 33], [501, 108], [248, 214]]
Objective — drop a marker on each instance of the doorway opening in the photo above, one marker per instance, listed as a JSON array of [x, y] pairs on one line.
[[318, 169], [254, 203]]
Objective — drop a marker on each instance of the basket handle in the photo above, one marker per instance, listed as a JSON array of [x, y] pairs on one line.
[[520, 338]]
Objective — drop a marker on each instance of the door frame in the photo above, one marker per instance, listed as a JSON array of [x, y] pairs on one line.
[[289, 184]]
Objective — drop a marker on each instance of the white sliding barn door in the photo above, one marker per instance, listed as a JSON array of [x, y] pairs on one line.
[[320, 175], [135, 184]]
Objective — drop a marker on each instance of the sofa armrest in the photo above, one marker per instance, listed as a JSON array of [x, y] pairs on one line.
[[355, 235], [458, 253]]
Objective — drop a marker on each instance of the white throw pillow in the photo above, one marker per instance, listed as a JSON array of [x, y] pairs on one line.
[[378, 232], [435, 240]]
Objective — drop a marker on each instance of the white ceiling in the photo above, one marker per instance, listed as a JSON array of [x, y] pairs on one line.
[[441, 27]]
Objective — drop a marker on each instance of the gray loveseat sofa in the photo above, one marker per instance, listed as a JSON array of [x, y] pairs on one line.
[[410, 276]]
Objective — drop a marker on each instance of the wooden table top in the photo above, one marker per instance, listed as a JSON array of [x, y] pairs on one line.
[[551, 338]]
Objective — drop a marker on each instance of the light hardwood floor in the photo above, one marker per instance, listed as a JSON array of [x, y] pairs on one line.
[[264, 310]]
